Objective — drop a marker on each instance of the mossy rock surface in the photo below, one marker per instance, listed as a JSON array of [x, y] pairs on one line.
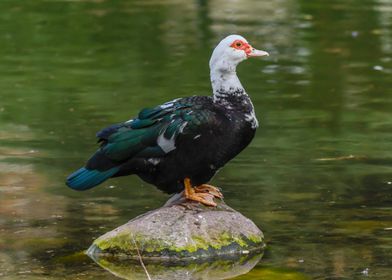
[[182, 230]]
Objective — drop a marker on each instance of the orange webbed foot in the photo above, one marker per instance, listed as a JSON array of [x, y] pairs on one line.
[[204, 197]]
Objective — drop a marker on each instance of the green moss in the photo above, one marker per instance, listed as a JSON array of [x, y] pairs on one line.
[[256, 238], [201, 243], [123, 243], [120, 241], [225, 239]]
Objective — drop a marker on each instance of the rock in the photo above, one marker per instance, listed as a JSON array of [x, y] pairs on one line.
[[181, 230]]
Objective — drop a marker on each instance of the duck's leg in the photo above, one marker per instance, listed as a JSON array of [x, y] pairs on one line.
[[202, 197], [205, 188]]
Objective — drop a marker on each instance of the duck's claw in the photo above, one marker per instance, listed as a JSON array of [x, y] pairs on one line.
[[205, 188]]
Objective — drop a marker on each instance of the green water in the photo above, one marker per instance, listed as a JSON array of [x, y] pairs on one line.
[[317, 178]]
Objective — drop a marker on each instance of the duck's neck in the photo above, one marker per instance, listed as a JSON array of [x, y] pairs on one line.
[[225, 84], [229, 92]]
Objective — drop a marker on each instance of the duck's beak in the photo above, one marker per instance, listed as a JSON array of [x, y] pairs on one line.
[[256, 53]]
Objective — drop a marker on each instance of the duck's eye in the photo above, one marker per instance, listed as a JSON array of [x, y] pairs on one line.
[[238, 44]]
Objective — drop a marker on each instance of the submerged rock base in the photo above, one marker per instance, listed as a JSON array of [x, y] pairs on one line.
[[181, 230]]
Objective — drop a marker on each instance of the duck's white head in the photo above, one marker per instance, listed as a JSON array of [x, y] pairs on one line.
[[230, 52], [223, 63]]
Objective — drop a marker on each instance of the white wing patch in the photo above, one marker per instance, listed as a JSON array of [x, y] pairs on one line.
[[167, 145]]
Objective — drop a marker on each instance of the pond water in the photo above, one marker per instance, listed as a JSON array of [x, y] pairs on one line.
[[317, 178]]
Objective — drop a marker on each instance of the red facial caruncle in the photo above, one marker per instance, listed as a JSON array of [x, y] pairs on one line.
[[241, 45]]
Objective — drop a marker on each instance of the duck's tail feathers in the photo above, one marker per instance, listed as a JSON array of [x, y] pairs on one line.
[[84, 179]]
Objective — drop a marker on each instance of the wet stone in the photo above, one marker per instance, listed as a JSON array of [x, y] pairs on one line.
[[179, 231]]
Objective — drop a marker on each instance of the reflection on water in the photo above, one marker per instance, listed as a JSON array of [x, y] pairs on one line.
[[213, 270], [317, 178]]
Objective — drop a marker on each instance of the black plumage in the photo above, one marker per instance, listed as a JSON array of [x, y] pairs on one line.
[[189, 137]]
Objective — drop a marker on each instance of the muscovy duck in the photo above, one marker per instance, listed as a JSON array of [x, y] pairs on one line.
[[180, 145]]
